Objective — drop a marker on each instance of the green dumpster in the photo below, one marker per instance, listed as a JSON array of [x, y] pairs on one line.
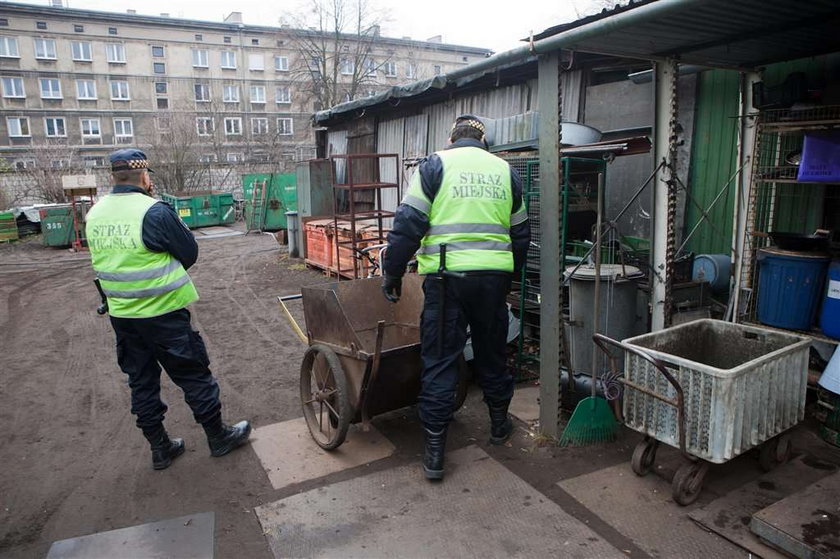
[[281, 197], [57, 226], [8, 227], [203, 209]]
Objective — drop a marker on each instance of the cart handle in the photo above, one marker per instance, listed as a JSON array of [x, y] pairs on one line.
[[601, 341], [291, 319]]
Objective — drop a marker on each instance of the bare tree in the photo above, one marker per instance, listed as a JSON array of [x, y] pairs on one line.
[[335, 42], [46, 164]]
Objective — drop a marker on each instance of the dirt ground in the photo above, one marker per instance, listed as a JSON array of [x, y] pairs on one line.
[[75, 464]]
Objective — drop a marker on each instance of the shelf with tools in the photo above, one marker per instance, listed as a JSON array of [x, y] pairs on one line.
[[360, 219]]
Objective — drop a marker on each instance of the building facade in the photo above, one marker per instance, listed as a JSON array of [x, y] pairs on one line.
[[87, 82]]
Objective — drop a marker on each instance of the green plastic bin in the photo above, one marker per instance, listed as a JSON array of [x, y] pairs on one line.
[[57, 226], [203, 209], [280, 198]]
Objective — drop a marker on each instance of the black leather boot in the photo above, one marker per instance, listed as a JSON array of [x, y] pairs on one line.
[[433, 456], [501, 427], [223, 438], [164, 449]]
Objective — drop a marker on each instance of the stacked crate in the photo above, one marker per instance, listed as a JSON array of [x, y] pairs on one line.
[[8, 227]]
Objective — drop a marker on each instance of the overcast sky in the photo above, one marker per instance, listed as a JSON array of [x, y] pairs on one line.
[[494, 24]]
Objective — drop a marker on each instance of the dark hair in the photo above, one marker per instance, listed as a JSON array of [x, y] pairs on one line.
[[128, 176], [465, 131]]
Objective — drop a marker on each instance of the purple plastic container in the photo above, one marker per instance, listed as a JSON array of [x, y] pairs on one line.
[[820, 158]]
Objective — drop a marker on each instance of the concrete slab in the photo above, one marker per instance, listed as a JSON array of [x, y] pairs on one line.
[[641, 508], [806, 524], [525, 405], [481, 510], [289, 455], [186, 537], [215, 232], [730, 515]]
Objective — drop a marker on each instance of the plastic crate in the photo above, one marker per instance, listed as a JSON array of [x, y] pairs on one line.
[[742, 386]]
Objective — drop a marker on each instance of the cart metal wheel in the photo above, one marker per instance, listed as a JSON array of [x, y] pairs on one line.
[[643, 456], [324, 397], [774, 452], [688, 482]]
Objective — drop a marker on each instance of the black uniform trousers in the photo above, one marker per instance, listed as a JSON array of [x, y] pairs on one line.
[[144, 344], [477, 301]]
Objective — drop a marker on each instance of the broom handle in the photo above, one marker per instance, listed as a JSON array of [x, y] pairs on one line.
[[596, 311]]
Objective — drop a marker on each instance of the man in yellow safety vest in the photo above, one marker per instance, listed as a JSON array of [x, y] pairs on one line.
[[463, 213], [141, 250]]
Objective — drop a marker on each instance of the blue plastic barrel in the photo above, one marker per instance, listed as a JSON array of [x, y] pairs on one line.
[[713, 268], [790, 287], [830, 317]]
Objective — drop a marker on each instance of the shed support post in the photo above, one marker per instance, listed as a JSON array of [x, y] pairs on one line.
[[747, 130], [664, 191], [549, 96]]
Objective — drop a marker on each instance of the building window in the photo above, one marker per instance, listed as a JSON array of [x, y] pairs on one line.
[[123, 130], [159, 67], [45, 49], [199, 58], [81, 51], [228, 59], [370, 67], [119, 91], [256, 62], [391, 69], [255, 42], [226, 39], [315, 66], [411, 70], [91, 131], [202, 93], [4, 22], [283, 94], [199, 37], [163, 123], [257, 94], [50, 88], [162, 103], [230, 94], [281, 63], [207, 158], [115, 53], [259, 126], [85, 89], [284, 127], [346, 66], [158, 51], [437, 69], [112, 31], [233, 126], [79, 28], [160, 88], [54, 127], [94, 161], [9, 47], [13, 87], [204, 125], [235, 157], [40, 24], [18, 126]]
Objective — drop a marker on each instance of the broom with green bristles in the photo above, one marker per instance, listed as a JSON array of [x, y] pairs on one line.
[[593, 420]]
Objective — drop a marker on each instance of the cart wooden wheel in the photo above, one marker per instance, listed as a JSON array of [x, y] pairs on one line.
[[688, 482], [324, 397], [774, 452], [643, 456]]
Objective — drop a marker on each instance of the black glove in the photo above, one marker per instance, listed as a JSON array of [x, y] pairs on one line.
[[392, 288]]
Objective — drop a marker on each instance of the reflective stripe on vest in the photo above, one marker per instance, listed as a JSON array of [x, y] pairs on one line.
[[471, 213], [138, 283]]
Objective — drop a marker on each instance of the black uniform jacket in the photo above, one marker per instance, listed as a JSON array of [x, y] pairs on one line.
[[163, 230]]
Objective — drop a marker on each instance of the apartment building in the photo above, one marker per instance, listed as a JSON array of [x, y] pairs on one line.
[[94, 81]]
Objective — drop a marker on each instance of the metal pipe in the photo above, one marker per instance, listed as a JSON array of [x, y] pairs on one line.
[[646, 76]]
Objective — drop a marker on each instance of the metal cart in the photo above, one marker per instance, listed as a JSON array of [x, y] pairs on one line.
[[714, 390], [363, 357]]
